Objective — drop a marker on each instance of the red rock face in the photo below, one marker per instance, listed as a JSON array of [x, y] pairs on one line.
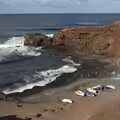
[[90, 40]]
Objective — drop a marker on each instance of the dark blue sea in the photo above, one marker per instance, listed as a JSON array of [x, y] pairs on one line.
[[25, 67]]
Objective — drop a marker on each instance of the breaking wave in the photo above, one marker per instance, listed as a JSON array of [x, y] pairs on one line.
[[50, 35], [39, 78], [69, 60], [14, 48]]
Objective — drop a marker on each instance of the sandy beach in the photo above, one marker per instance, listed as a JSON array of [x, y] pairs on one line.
[[101, 107]]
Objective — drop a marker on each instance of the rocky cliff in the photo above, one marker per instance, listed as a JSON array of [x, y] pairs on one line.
[[82, 40], [90, 40]]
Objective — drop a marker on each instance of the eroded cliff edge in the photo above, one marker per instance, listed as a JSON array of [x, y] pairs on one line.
[[90, 40], [82, 40]]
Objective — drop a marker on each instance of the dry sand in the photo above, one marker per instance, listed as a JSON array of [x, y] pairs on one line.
[[106, 106]]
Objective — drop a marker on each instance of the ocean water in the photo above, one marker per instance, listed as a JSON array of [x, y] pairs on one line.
[[23, 67]]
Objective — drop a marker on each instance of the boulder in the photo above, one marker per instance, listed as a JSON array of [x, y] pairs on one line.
[[36, 39], [90, 40]]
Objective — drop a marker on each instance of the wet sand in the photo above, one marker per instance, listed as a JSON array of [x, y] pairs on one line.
[[83, 108]]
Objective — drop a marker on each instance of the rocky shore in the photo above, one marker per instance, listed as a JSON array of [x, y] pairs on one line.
[[90, 40], [90, 68], [100, 44], [82, 40]]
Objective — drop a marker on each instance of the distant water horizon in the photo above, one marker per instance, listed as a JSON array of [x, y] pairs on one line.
[[58, 13], [20, 24]]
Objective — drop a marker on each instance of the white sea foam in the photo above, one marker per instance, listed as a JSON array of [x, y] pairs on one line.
[[41, 78], [15, 45], [50, 35], [69, 60]]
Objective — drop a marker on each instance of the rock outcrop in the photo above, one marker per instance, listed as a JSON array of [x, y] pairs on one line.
[[90, 40], [82, 40], [36, 39]]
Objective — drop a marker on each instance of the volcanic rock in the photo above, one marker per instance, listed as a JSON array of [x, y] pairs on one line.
[[36, 39], [90, 40]]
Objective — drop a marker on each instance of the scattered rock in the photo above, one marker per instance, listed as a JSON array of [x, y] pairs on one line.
[[45, 110], [39, 115], [19, 105], [53, 110], [61, 108]]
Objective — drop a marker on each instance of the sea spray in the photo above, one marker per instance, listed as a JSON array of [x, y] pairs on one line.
[[15, 47], [40, 79], [69, 60], [50, 35]]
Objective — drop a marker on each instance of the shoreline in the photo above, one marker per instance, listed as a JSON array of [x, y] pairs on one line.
[[46, 101], [53, 109], [90, 68]]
